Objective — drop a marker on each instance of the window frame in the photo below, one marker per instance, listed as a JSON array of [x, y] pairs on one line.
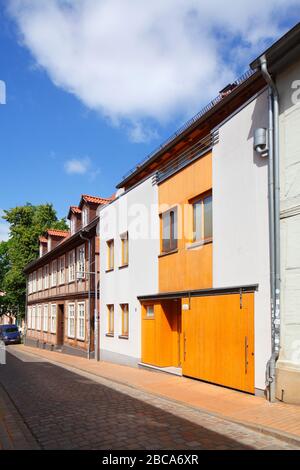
[[85, 216], [53, 325], [173, 231], [124, 249], [39, 318], [33, 317], [46, 276], [201, 199], [61, 272], [70, 334], [29, 317], [71, 266], [45, 308], [54, 273], [125, 312], [110, 254], [111, 319], [80, 318], [80, 265]]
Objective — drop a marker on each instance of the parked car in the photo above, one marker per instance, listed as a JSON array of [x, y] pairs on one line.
[[10, 334]]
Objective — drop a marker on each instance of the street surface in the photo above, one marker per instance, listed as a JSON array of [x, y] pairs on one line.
[[60, 409]]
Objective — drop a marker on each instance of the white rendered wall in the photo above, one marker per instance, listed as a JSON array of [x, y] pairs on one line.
[[288, 83], [137, 213], [240, 219]]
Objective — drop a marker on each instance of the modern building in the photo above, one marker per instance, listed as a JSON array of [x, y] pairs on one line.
[[62, 284], [196, 294]]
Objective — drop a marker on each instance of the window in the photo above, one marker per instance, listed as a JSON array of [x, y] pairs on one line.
[[29, 318], [45, 318], [39, 318], [150, 311], [33, 319], [40, 280], [54, 273], [85, 216], [49, 244], [110, 255], [72, 266], [46, 277], [169, 231], [81, 262], [30, 284], [34, 282], [110, 311], [202, 219], [125, 320], [53, 319], [124, 242], [71, 320], [80, 321], [62, 270], [73, 225]]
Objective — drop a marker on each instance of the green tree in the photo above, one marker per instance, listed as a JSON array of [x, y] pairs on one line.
[[27, 223]]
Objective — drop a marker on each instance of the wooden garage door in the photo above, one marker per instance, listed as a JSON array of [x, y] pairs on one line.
[[218, 334]]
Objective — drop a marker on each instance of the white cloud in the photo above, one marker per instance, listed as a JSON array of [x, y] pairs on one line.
[[132, 60], [77, 166], [4, 228]]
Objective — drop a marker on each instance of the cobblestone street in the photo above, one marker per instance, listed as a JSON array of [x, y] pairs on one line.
[[64, 410]]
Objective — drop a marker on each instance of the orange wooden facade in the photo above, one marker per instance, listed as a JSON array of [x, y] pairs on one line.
[[191, 267]]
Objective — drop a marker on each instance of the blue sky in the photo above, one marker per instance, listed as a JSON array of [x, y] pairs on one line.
[[75, 122]]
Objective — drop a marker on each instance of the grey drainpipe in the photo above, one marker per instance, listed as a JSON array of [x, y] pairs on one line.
[[89, 297], [274, 217]]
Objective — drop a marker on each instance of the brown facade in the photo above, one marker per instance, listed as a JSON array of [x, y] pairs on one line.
[[62, 295]]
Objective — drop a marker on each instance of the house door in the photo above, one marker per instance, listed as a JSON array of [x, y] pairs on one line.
[[218, 336], [60, 325]]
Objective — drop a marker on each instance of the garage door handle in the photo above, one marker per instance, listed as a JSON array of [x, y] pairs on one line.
[[246, 354]]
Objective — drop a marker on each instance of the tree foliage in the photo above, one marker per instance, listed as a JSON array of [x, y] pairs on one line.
[[27, 223]]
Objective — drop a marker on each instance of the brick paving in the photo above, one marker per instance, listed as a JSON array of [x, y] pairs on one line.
[[14, 435], [240, 407], [67, 410]]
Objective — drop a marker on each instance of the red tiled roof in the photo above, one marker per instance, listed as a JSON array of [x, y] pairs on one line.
[[95, 199], [75, 209], [43, 239], [58, 233]]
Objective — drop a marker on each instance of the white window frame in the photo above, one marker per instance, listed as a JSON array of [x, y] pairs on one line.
[[29, 318], [61, 273], [39, 318], [46, 276], [72, 225], [34, 282], [71, 266], [81, 321], [30, 284], [45, 317], [53, 319], [54, 273], [81, 260], [33, 318], [40, 279], [85, 216], [71, 316]]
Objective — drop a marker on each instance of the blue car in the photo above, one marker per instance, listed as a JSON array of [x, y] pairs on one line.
[[10, 334]]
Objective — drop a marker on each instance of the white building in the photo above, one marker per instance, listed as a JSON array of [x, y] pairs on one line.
[[129, 249]]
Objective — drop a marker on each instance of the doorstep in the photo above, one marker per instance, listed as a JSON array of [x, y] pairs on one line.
[[166, 370]]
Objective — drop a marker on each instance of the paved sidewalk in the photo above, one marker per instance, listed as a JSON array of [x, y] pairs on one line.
[[14, 435], [278, 418]]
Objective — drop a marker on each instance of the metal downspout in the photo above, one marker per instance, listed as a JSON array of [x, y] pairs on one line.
[[274, 218], [96, 317]]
